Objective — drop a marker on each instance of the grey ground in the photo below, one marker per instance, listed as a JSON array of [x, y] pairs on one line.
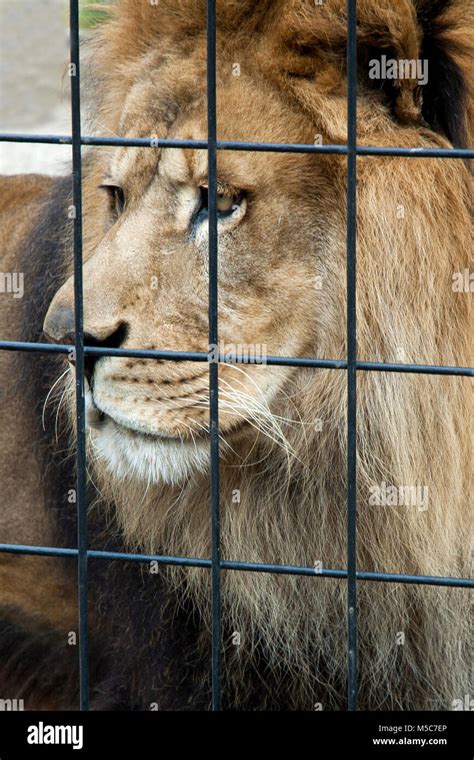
[[34, 83]]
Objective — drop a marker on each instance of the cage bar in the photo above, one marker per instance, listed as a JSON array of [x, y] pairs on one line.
[[79, 359]]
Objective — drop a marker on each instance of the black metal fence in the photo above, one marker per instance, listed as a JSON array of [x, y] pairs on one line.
[[351, 365]]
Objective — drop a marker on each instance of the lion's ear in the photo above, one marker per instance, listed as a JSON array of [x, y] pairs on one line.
[[447, 28]]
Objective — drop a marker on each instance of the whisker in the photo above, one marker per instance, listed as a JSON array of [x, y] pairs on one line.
[[43, 414], [66, 392], [221, 436]]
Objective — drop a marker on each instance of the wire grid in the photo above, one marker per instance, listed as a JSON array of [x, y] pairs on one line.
[[351, 365]]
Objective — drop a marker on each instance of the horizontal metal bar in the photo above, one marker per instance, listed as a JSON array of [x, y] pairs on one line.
[[252, 567], [152, 142], [192, 356], [466, 153], [237, 145], [46, 348], [64, 348], [42, 139], [201, 356], [418, 369]]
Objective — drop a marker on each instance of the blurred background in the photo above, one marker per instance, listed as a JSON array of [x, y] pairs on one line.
[[34, 81]]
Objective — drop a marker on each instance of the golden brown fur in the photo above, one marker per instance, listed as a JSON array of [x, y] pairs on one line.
[[284, 430]]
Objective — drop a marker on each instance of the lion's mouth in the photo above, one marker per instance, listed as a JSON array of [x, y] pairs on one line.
[[98, 419], [156, 427], [129, 449]]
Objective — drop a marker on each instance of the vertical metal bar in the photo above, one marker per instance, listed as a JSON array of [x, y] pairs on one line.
[[213, 366], [351, 354], [79, 357]]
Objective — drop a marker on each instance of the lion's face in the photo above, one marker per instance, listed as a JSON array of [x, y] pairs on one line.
[[281, 234], [146, 279]]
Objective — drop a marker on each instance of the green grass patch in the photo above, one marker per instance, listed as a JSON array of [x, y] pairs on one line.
[[90, 16]]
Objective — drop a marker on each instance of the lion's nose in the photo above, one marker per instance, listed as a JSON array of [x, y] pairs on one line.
[[59, 324], [59, 327]]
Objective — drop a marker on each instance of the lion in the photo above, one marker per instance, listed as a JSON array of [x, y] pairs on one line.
[[281, 78]]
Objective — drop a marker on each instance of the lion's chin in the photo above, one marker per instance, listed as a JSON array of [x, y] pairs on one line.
[[145, 458]]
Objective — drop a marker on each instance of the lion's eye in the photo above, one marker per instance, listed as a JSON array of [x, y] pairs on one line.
[[116, 197], [225, 202], [226, 205]]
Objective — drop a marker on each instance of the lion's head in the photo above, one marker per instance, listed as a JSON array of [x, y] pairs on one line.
[[281, 241]]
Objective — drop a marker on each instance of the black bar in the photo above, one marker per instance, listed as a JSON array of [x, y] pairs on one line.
[[418, 369], [351, 356], [152, 142], [201, 356], [365, 150], [252, 567], [213, 366], [79, 358]]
